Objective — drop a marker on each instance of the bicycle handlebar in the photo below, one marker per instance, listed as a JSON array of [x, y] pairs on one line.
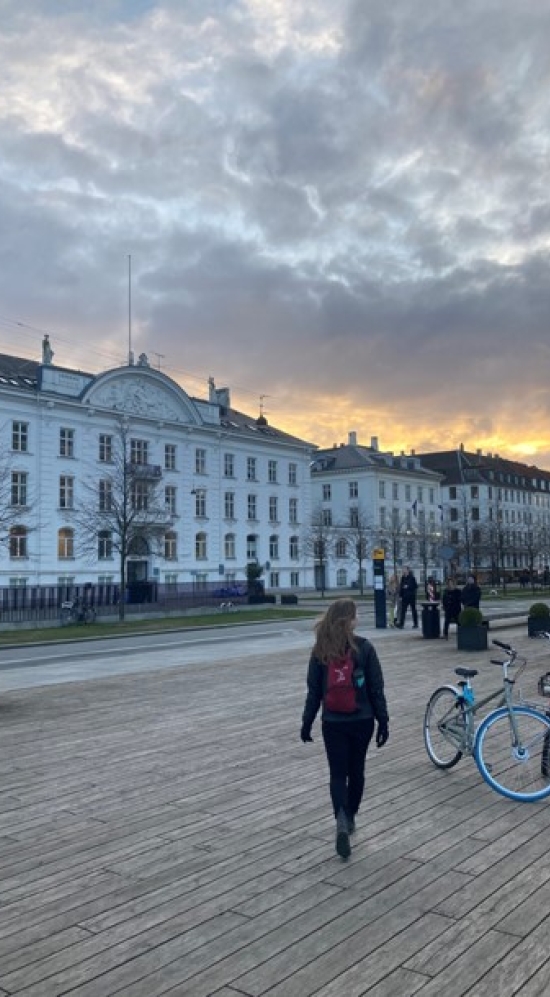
[[505, 647]]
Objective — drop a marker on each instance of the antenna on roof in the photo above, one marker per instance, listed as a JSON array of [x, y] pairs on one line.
[[261, 420], [159, 356]]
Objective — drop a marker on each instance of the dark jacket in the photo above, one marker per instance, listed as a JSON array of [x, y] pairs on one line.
[[452, 603], [408, 587], [370, 696], [471, 595]]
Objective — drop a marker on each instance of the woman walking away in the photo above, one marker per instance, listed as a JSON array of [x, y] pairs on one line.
[[345, 676]]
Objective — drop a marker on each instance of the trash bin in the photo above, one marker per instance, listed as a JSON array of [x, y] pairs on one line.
[[431, 620]]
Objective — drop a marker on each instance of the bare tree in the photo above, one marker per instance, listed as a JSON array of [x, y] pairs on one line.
[[358, 536], [124, 511], [318, 543]]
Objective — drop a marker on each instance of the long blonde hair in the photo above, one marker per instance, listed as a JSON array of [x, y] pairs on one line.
[[334, 631]]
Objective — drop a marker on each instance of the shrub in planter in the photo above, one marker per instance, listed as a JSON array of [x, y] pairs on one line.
[[471, 634], [538, 619], [289, 600]]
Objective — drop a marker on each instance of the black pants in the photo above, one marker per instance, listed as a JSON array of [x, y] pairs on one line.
[[405, 603], [449, 618], [346, 743]]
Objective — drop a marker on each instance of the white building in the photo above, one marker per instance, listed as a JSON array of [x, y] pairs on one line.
[[234, 489], [382, 500]]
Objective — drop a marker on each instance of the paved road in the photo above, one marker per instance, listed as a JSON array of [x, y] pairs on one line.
[[48, 664]]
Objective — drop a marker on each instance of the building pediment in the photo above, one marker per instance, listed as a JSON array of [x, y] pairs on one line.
[[137, 391]]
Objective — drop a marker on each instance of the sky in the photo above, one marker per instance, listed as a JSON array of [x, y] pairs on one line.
[[339, 208]]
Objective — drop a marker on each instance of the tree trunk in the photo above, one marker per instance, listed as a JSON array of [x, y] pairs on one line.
[[122, 593]]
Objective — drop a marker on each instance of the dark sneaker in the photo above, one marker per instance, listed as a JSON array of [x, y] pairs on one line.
[[343, 847]]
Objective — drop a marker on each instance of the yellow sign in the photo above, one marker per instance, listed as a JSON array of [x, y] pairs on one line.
[[378, 554]]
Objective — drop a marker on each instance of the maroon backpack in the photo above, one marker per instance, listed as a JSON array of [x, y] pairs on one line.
[[340, 694]]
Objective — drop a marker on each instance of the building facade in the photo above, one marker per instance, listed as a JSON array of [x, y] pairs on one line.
[[365, 498], [211, 488]]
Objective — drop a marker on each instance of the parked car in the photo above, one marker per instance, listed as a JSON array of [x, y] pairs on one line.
[[229, 591]]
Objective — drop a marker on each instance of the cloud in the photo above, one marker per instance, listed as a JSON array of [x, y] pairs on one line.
[[341, 207]]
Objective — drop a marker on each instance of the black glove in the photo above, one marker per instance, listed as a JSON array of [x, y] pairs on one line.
[[305, 733], [382, 733]]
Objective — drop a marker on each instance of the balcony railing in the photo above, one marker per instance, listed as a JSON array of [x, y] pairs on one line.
[[146, 472]]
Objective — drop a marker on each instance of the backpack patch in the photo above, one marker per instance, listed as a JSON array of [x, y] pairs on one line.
[[340, 696]]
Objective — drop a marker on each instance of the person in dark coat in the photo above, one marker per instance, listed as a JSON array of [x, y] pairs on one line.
[[452, 604], [471, 593], [407, 594], [346, 735]]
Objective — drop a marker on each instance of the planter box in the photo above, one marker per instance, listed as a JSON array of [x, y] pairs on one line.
[[289, 600], [471, 638], [537, 625]]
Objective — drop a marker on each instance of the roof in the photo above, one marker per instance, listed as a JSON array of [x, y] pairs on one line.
[[352, 457], [18, 372], [259, 428], [461, 466]]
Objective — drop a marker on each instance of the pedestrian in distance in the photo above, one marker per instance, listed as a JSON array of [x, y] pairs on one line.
[[407, 595], [452, 604], [393, 599], [471, 593], [432, 590], [345, 680]]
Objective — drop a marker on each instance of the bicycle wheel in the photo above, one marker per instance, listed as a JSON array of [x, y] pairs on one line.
[[519, 772], [445, 727], [66, 617], [89, 615]]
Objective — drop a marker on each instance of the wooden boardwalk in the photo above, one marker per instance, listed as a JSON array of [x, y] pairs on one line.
[[169, 833]]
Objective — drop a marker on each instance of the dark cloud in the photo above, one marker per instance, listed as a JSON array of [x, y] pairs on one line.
[[344, 208]]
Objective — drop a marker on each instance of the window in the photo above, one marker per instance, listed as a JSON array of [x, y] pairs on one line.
[[293, 510], [105, 448], [200, 503], [169, 457], [200, 461], [139, 452], [229, 546], [105, 495], [171, 579], [395, 491], [170, 499], [66, 492], [453, 515], [228, 465], [294, 548], [229, 505], [251, 507], [251, 469], [452, 492], [475, 513], [274, 580], [170, 546], [341, 578], [139, 495], [65, 543], [66, 442], [327, 493], [19, 488], [353, 489], [274, 547], [383, 517], [410, 549], [407, 493], [18, 541], [420, 494], [341, 548], [327, 517], [104, 545], [354, 516], [474, 491], [20, 436], [382, 489], [18, 582], [292, 474], [251, 547], [432, 496], [272, 472], [294, 579], [273, 509], [200, 547]]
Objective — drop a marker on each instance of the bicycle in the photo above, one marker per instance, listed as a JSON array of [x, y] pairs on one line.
[[73, 612], [511, 745]]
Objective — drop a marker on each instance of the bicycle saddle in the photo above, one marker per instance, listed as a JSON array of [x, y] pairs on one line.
[[466, 673]]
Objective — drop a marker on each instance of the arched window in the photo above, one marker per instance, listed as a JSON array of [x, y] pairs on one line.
[[104, 545], [229, 546], [18, 541], [200, 547], [65, 543], [342, 548], [138, 547], [294, 548], [341, 578], [171, 546], [251, 547], [274, 547]]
